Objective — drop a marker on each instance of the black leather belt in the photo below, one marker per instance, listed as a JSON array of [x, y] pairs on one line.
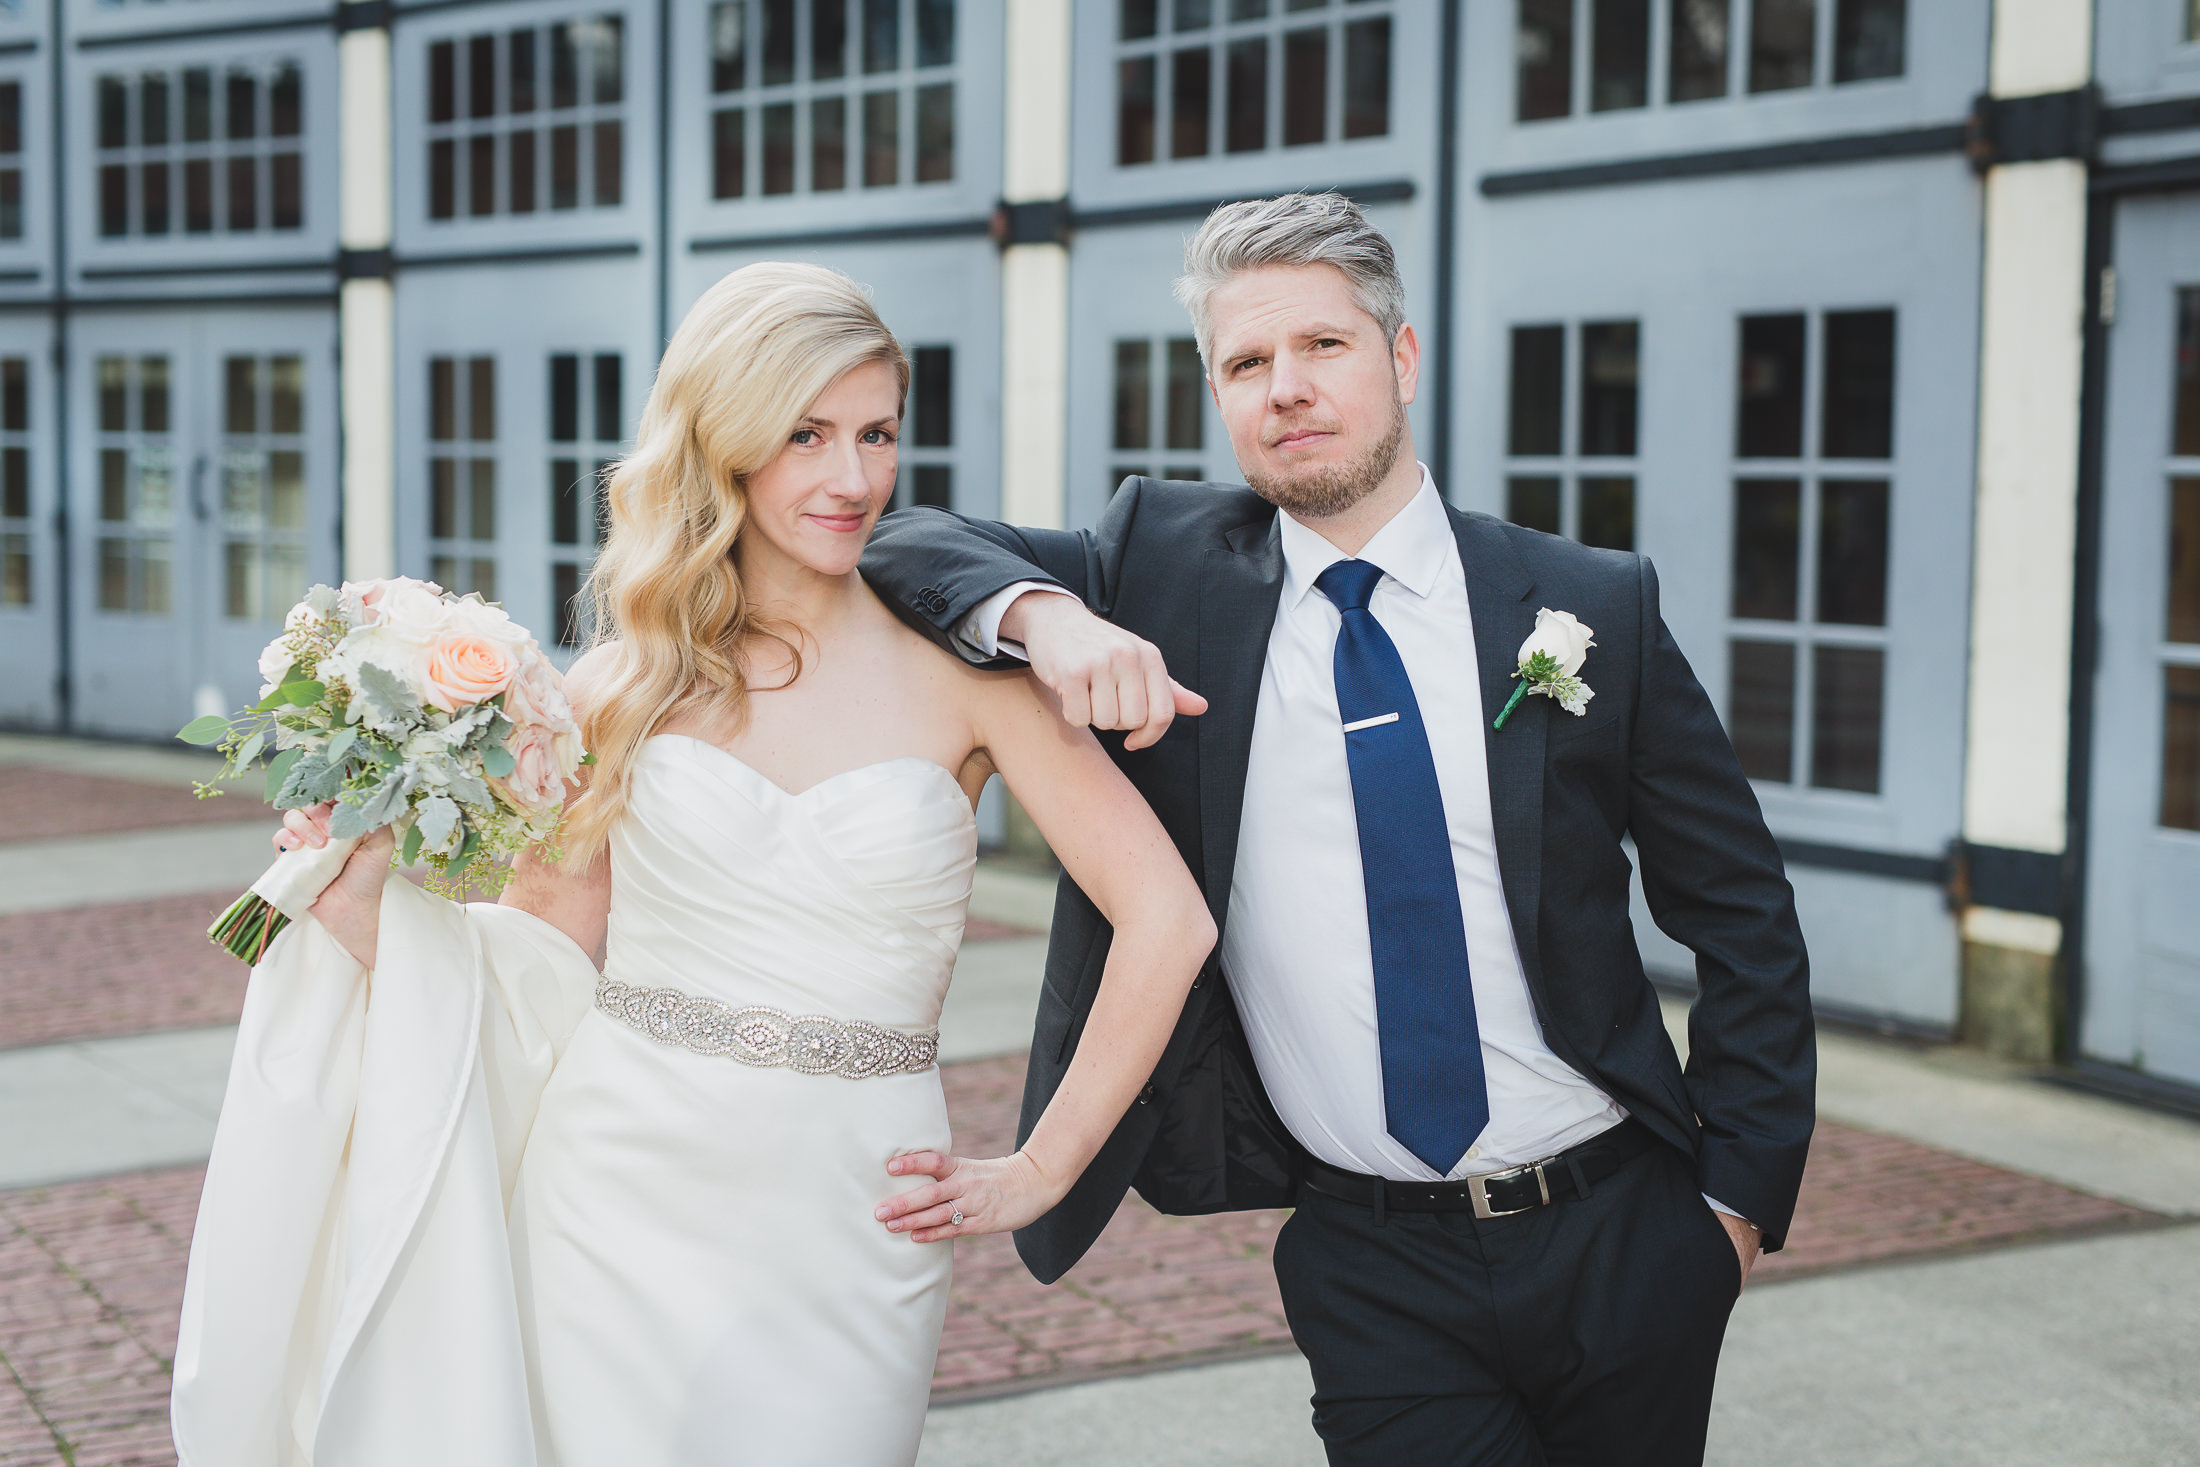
[[1571, 1173]]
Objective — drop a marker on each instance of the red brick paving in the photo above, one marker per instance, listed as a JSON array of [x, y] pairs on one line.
[[138, 966], [1153, 1288], [121, 969], [37, 803], [91, 1276], [1868, 1197]]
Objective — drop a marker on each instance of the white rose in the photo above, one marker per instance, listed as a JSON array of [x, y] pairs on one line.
[[1564, 638], [275, 660]]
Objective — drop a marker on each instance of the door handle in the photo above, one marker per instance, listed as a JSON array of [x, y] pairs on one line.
[[199, 509]]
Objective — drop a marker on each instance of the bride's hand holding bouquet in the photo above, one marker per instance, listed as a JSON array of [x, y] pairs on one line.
[[392, 709]]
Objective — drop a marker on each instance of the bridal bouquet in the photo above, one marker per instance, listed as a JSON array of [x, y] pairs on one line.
[[434, 714]]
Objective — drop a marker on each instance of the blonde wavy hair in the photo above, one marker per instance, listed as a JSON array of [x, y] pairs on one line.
[[752, 355]]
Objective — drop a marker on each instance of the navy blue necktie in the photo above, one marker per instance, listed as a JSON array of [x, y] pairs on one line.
[[1435, 1100]]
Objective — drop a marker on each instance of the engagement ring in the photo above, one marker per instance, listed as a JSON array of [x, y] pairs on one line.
[[956, 1220]]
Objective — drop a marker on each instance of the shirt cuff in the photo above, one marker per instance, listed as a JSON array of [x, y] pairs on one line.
[[980, 631], [1718, 1206]]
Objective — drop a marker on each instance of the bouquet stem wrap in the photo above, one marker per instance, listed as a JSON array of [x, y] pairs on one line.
[[285, 892]]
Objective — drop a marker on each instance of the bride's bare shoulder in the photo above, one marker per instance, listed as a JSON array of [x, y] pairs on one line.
[[937, 662], [590, 674]]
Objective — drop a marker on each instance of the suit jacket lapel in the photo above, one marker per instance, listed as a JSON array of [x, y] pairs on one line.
[[1238, 591], [1498, 588]]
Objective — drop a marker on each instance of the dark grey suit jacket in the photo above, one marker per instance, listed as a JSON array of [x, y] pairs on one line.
[[1197, 569]]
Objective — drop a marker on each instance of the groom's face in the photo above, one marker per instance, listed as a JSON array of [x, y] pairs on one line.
[[1312, 393]]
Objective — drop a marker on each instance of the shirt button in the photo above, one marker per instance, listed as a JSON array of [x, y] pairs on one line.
[[1474, 1153]]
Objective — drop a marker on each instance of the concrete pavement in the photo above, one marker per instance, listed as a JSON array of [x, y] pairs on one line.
[[2075, 1354]]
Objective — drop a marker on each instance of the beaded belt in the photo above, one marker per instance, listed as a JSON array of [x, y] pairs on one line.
[[809, 1044]]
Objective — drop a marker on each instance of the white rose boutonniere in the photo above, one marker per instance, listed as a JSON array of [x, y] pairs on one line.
[[1549, 660]]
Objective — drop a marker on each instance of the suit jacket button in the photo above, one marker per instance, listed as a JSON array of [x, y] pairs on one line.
[[1145, 1096]]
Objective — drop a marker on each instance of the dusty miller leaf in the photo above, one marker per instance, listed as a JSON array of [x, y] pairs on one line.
[[438, 818], [375, 811], [387, 698], [310, 781]]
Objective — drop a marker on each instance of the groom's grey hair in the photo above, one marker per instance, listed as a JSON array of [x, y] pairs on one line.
[[1290, 229]]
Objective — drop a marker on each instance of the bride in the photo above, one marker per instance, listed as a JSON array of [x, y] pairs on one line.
[[471, 1202]]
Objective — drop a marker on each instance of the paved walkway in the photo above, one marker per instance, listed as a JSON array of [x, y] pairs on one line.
[[2051, 1319], [2078, 1354]]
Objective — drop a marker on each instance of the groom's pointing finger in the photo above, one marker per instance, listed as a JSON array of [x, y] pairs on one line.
[[1158, 695]]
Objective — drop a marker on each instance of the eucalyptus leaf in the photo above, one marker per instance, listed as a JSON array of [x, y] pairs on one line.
[[204, 730], [411, 850], [302, 695], [497, 761], [340, 745], [278, 770], [465, 856], [249, 750]]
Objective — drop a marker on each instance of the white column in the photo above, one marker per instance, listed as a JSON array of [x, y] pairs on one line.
[[2031, 351], [366, 320], [1035, 277]]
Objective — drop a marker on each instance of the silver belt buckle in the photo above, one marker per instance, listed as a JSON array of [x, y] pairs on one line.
[[1478, 1190]]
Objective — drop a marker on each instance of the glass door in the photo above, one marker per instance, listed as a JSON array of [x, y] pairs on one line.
[[202, 505], [2142, 1006]]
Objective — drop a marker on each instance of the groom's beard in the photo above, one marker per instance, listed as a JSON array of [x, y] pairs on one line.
[[1318, 491]]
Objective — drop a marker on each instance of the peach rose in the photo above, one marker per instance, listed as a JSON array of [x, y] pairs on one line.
[[537, 695], [537, 781], [463, 670]]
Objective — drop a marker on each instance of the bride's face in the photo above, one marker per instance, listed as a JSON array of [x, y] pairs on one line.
[[815, 503]]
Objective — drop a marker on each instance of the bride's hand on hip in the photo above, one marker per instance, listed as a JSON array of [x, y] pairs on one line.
[[351, 908], [967, 1196]]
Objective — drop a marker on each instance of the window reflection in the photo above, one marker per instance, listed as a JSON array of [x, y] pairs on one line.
[[1619, 55], [1696, 57], [1783, 43]]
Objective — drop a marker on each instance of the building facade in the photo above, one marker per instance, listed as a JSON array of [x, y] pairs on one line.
[[1875, 324]]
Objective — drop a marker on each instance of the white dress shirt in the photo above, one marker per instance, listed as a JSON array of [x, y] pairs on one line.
[[1295, 946]]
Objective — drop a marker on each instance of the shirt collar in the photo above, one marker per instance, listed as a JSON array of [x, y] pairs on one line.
[[1412, 548]]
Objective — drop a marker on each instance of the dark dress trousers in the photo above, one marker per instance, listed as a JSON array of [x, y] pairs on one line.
[[1197, 570]]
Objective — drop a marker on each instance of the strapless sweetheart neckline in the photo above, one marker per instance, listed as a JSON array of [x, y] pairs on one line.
[[829, 780]]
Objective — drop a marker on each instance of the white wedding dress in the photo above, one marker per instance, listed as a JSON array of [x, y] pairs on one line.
[[460, 1211]]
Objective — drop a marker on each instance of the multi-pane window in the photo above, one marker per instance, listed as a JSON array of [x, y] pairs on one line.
[[1160, 408], [1201, 78], [822, 96], [586, 407], [1773, 45], [1589, 493], [203, 150], [928, 430], [462, 474], [137, 484], [263, 485], [11, 160], [16, 532], [1812, 502], [527, 119], [2180, 654]]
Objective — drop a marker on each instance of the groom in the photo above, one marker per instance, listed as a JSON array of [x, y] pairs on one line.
[[1520, 1222]]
